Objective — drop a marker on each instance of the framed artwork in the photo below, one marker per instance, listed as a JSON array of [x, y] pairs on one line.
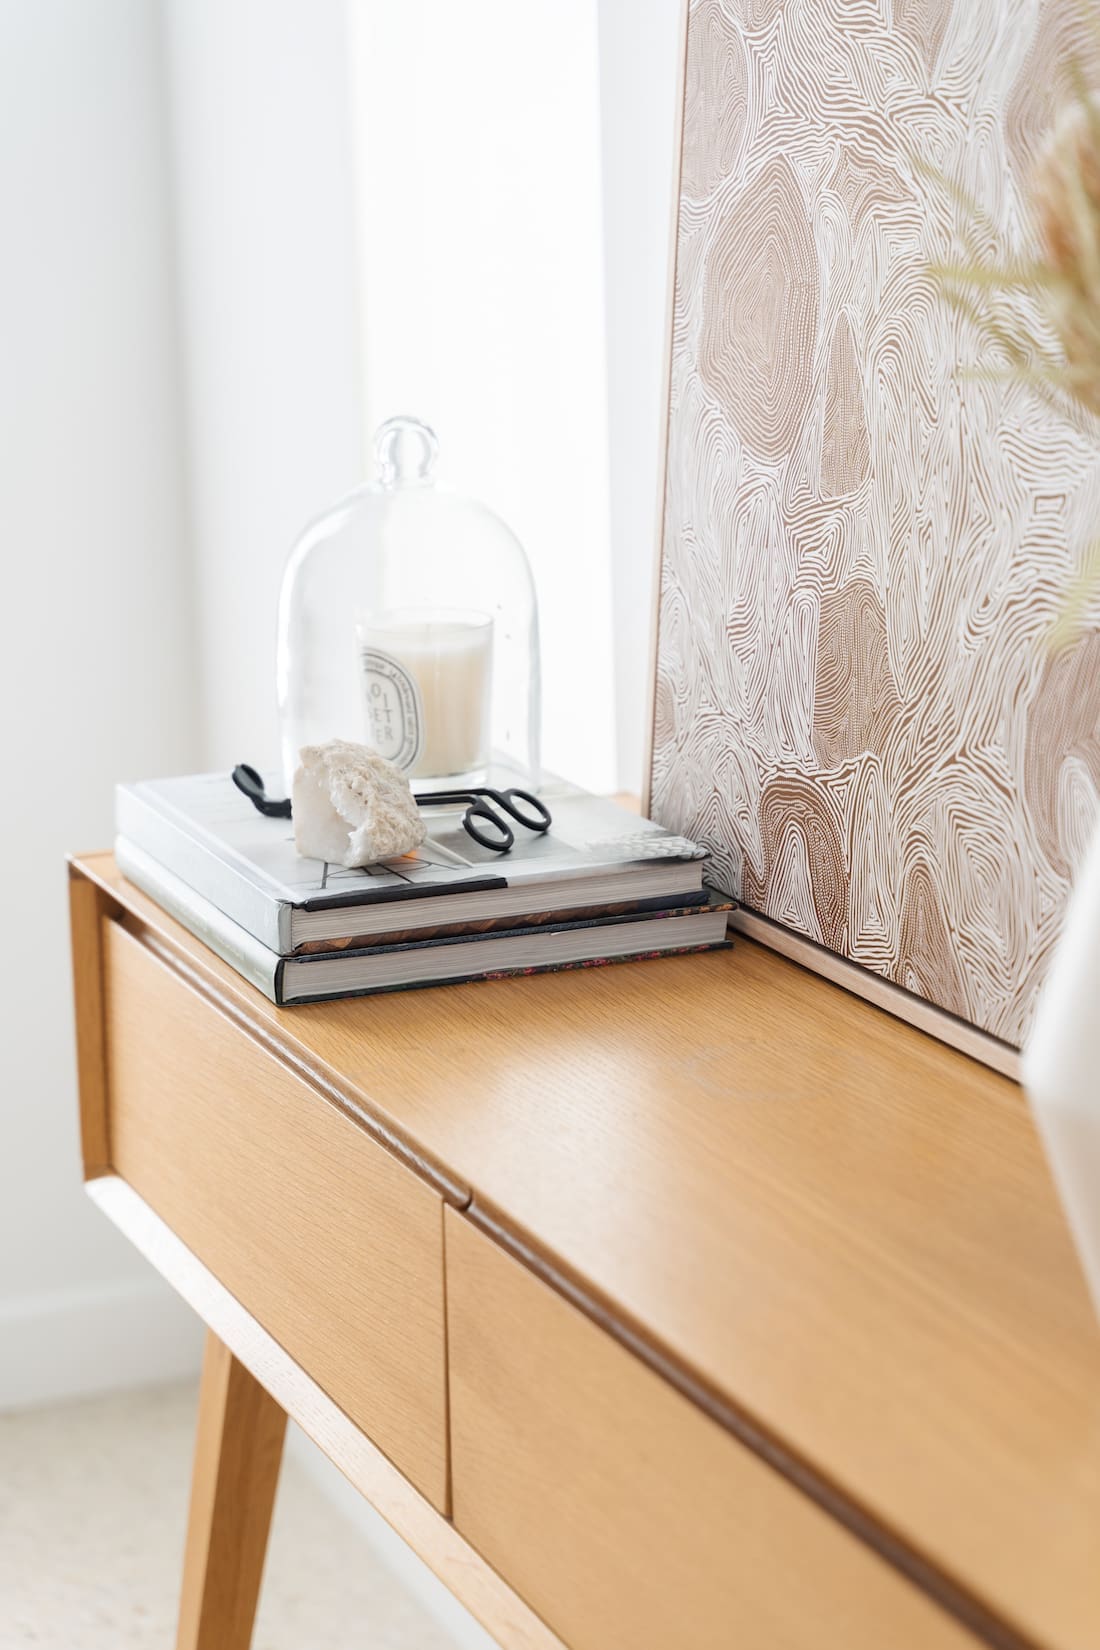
[[865, 543]]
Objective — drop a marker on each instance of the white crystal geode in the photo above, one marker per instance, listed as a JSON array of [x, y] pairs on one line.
[[352, 807]]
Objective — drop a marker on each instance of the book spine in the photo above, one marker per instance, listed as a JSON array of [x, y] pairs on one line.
[[658, 907], [511, 973], [259, 965], [265, 918]]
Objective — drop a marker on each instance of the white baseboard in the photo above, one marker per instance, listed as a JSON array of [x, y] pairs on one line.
[[71, 1343], [457, 1622]]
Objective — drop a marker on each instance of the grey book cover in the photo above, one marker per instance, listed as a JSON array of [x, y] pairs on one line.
[[203, 831]]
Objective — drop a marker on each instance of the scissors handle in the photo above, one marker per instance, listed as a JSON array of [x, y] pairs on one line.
[[535, 815], [249, 781], [503, 837]]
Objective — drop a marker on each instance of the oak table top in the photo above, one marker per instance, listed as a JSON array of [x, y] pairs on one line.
[[835, 1234]]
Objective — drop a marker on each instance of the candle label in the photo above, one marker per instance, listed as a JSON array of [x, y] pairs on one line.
[[395, 711]]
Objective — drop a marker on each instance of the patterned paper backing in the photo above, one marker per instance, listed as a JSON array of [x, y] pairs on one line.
[[858, 711]]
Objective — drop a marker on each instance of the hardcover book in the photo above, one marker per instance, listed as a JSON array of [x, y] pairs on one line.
[[415, 961], [596, 858]]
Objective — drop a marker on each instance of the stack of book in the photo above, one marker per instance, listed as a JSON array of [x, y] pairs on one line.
[[600, 886]]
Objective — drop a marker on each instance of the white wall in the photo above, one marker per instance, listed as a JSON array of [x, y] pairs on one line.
[[97, 678], [480, 217], [640, 47], [268, 277]]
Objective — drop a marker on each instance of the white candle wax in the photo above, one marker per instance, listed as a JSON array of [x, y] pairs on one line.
[[427, 679]]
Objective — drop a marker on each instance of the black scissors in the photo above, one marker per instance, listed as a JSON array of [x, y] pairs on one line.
[[536, 818], [249, 781]]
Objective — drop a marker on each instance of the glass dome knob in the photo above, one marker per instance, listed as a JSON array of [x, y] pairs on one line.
[[406, 450]]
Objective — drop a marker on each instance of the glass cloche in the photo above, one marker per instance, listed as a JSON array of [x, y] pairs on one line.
[[407, 621]]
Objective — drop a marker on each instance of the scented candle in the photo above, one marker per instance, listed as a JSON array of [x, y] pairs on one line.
[[427, 680]]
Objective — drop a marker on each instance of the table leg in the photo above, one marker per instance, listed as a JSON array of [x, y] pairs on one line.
[[238, 1449]]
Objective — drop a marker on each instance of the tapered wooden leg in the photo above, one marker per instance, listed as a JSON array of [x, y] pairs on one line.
[[237, 1454]]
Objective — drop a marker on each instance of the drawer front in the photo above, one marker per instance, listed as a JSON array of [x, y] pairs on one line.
[[623, 1515], [327, 1240]]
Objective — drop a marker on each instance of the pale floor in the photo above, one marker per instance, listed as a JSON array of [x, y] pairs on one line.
[[93, 1501]]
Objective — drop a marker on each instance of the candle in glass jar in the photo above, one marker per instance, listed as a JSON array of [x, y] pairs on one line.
[[427, 677]]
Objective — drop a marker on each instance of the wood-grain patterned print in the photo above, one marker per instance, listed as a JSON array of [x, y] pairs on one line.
[[865, 546]]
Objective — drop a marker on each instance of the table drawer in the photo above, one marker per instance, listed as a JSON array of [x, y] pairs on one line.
[[330, 1243], [622, 1514]]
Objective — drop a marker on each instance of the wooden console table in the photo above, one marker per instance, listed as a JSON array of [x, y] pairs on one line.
[[688, 1306]]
